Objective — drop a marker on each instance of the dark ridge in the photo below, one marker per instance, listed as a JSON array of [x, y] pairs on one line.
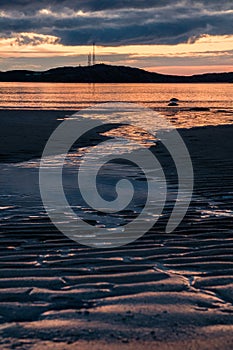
[[102, 73]]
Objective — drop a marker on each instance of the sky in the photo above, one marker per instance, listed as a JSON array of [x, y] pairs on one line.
[[166, 36]]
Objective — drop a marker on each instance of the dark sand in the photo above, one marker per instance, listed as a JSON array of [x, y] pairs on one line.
[[160, 292], [24, 133]]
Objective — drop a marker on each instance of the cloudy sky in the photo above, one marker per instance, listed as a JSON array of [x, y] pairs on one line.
[[168, 36]]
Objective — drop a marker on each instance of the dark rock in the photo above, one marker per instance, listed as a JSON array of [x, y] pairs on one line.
[[173, 104]]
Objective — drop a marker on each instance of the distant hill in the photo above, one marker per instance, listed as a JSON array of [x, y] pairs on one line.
[[102, 73]]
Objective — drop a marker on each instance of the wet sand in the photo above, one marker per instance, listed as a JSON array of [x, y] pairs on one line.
[[24, 133], [164, 291]]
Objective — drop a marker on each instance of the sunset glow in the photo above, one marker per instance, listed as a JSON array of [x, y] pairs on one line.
[[184, 38], [213, 49]]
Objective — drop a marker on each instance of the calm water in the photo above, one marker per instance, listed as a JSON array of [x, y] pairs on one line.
[[216, 97], [20, 200]]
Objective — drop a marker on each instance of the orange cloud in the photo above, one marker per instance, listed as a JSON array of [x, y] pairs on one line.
[[40, 46]]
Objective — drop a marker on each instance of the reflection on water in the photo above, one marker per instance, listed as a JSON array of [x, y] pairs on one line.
[[200, 104], [215, 98], [132, 133], [22, 197]]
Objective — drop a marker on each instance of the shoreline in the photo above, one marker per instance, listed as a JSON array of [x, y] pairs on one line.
[[163, 291], [105, 73], [24, 134]]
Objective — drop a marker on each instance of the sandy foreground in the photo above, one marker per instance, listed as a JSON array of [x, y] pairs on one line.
[[164, 291]]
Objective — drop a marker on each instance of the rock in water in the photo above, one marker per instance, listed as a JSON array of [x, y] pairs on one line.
[[173, 104], [174, 100]]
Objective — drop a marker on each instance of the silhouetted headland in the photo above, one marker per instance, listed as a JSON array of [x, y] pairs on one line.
[[102, 73]]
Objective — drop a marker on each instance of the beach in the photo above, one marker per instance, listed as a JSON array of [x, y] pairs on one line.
[[163, 291], [116, 175]]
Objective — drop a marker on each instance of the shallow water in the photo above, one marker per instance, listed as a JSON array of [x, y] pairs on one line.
[[216, 97], [22, 207], [20, 200], [155, 283]]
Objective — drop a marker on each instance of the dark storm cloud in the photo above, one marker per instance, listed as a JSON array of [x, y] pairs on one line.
[[118, 22], [172, 32], [98, 5], [88, 5]]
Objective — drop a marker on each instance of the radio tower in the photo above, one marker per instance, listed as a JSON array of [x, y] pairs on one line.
[[93, 55]]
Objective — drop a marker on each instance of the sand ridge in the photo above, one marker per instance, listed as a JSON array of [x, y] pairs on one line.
[[164, 291]]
